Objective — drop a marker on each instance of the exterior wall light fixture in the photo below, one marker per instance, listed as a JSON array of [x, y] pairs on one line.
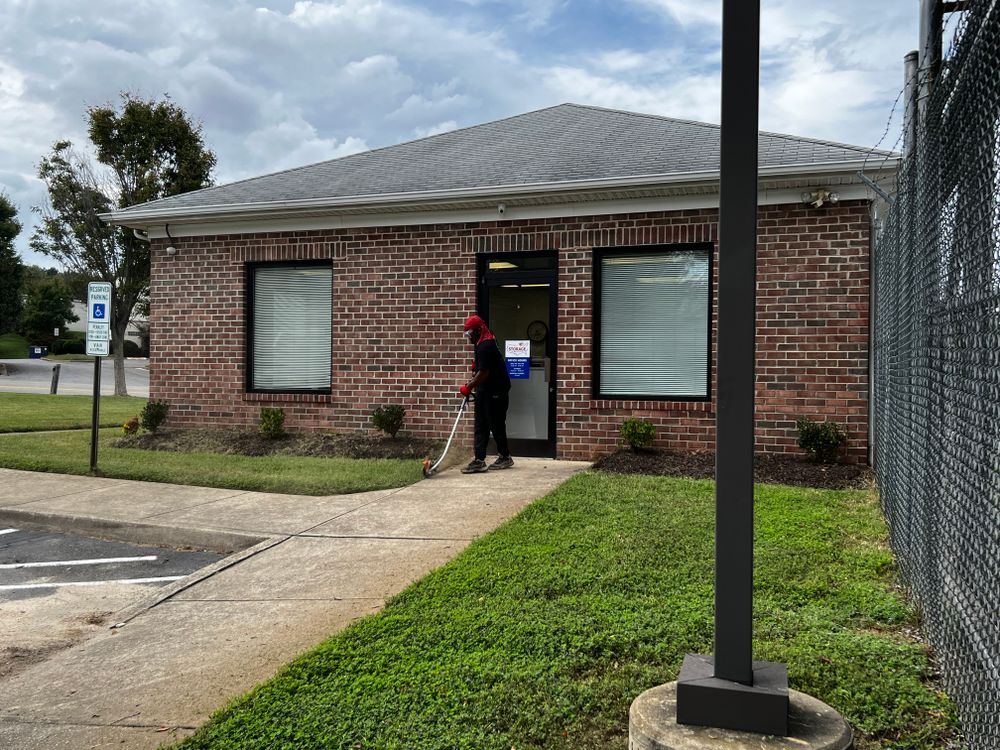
[[171, 250], [819, 197]]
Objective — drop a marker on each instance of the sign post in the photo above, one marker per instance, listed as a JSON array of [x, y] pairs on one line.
[[98, 345]]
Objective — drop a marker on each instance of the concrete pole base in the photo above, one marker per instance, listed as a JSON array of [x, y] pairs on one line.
[[812, 725]]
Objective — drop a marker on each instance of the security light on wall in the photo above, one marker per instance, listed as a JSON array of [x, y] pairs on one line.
[[819, 197], [171, 250]]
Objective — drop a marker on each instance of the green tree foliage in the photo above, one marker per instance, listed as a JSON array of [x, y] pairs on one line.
[[49, 305], [11, 268], [145, 150]]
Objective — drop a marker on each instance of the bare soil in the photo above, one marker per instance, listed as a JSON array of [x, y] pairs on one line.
[[251, 443], [768, 468]]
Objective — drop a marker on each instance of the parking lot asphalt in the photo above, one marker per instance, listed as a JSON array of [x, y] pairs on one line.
[[35, 563], [75, 378], [301, 569]]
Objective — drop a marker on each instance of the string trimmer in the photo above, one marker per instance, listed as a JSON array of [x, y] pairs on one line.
[[431, 470]]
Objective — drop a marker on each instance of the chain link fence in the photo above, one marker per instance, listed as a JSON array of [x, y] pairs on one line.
[[936, 370]]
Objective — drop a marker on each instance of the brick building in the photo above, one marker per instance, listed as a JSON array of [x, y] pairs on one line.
[[590, 233]]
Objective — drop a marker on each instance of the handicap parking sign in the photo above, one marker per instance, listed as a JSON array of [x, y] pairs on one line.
[[99, 311]]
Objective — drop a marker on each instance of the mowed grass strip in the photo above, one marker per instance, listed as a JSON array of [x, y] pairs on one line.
[[69, 453], [541, 634], [28, 412], [13, 346]]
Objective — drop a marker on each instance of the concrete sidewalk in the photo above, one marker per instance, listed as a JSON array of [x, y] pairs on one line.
[[307, 567]]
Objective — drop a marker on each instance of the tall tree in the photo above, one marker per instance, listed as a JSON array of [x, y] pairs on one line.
[[49, 305], [147, 150], [11, 267]]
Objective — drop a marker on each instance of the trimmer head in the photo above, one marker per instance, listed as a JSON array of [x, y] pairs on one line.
[[427, 468]]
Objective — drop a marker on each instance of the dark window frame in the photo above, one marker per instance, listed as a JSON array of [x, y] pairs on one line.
[[599, 254], [251, 273]]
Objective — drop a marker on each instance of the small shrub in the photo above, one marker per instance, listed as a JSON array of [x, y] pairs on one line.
[[68, 346], [131, 426], [272, 422], [821, 440], [389, 418], [638, 433], [132, 349], [153, 414]]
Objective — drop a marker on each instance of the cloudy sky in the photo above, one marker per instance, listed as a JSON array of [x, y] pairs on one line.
[[280, 83]]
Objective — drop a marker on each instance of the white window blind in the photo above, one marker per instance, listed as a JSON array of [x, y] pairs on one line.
[[654, 324], [292, 311]]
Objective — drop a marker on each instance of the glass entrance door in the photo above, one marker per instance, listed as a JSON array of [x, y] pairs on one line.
[[518, 301]]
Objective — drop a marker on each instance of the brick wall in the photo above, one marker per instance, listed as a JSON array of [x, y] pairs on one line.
[[400, 294]]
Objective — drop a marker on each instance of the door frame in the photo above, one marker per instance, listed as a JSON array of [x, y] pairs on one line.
[[487, 279]]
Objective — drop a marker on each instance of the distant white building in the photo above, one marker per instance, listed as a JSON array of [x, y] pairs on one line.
[[138, 325]]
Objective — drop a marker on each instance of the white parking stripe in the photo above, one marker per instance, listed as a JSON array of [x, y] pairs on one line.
[[7, 531], [22, 586], [60, 563]]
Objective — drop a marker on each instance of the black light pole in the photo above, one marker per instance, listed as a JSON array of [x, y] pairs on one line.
[[731, 690], [95, 415], [735, 362]]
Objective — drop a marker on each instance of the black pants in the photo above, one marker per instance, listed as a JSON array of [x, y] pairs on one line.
[[491, 416]]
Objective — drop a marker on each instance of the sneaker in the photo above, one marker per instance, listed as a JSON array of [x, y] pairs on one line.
[[503, 462], [475, 467]]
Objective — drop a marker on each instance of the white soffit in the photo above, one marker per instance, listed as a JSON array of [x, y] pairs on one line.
[[517, 208]]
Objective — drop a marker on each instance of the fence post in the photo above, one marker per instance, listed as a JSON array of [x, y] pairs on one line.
[[931, 21]]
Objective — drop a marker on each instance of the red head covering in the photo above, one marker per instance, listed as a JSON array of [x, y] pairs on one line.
[[475, 323]]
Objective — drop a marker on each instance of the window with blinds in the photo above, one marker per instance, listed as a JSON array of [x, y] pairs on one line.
[[654, 324], [292, 312]]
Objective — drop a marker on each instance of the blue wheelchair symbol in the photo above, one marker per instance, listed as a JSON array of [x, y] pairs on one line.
[[99, 311]]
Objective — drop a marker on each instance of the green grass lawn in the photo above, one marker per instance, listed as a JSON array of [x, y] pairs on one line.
[[13, 346], [28, 412], [68, 358], [541, 634], [69, 453]]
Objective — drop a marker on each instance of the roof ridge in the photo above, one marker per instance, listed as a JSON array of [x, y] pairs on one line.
[[797, 138], [825, 142], [643, 114]]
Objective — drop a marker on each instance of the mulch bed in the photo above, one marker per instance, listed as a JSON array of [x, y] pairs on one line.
[[768, 468], [774, 469], [252, 443]]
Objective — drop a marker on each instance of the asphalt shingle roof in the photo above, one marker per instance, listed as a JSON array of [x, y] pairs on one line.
[[565, 143]]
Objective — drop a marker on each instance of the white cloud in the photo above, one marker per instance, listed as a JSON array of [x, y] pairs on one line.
[[687, 13], [294, 143], [289, 83], [692, 98], [441, 127]]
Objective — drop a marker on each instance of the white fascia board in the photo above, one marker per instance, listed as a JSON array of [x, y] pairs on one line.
[[143, 218], [460, 216]]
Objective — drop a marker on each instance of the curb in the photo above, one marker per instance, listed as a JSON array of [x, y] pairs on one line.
[[166, 592]]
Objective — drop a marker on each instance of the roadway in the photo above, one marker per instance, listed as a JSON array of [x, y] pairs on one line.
[[75, 378]]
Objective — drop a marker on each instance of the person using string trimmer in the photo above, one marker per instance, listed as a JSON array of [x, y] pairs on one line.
[[491, 383]]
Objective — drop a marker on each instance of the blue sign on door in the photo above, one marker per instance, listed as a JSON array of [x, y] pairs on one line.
[[518, 368], [98, 311]]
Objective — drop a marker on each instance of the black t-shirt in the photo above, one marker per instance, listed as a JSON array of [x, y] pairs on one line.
[[488, 358]]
